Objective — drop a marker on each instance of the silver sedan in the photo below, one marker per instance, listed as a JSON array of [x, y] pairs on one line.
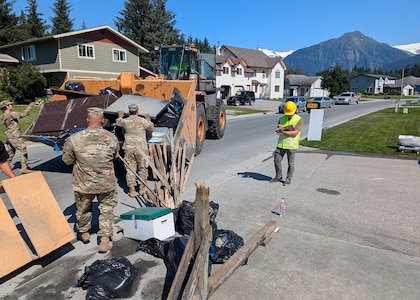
[[320, 102]]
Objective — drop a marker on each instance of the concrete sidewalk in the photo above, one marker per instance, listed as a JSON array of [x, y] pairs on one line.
[[351, 231]]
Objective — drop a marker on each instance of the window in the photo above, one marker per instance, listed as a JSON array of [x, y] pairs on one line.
[[277, 74], [225, 70], [87, 51], [239, 71], [119, 55], [277, 88], [28, 53]]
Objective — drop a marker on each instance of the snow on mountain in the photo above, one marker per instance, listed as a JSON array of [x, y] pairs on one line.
[[411, 48], [272, 53]]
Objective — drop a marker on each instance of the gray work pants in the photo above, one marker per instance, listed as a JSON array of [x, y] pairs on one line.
[[278, 157]]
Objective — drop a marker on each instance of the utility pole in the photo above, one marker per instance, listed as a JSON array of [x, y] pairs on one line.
[[397, 102]]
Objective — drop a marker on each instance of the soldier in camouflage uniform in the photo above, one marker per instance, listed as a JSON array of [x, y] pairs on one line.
[[135, 128], [14, 139], [92, 152]]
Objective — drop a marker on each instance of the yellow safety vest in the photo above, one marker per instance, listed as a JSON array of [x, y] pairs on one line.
[[285, 141]]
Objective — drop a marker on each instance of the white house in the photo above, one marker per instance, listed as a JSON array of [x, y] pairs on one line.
[[248, 69], [307, 86]]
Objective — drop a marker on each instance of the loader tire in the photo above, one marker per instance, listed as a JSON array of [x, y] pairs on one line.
[[218, 124], [201, 128]]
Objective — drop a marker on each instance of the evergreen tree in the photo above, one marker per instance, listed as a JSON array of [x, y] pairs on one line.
[[35, 24], [335, 80], [148, 23], [61, 21], [8, 23]]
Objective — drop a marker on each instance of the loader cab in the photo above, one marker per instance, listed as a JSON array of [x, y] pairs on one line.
[[178, 62]]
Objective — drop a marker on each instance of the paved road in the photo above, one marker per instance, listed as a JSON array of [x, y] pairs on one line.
[[351, 232]]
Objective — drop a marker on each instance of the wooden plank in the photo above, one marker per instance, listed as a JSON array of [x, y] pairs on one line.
[[201, 226], [13, 250], [154, 168], [39, 212], [237, 260], [184, 183], [197, 282], [181, 272]]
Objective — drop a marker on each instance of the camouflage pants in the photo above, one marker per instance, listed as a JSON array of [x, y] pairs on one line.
[[107, 202], [13, 144], [137, 163]]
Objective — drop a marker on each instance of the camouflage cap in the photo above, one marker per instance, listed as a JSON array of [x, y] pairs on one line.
[[4, 103], [133, 107], [95, 112]]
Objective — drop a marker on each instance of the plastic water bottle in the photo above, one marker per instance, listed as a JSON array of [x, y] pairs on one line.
[[282, 213]]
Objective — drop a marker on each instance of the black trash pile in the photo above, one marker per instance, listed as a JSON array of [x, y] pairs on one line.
[[224, 244], [109, 278], [172, 114]]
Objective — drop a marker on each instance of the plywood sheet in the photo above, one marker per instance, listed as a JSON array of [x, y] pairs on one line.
[[13, 251], [39, 212]]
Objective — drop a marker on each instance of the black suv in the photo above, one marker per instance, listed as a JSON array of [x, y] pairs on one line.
[[242, 97]]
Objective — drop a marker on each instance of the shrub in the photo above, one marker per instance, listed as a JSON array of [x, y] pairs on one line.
[[24, 82]]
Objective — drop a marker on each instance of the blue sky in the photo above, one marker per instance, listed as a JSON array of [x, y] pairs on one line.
[[271, 24]]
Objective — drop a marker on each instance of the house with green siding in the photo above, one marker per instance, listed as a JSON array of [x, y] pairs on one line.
[[98, 52]]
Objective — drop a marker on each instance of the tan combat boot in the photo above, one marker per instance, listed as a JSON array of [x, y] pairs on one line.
[[84, 237], [105, 245], [24, 169], [132, 192]]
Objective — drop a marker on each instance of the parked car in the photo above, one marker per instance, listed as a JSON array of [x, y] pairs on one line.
[[319, 102], [299, 100], [348, 98], [242, 97]]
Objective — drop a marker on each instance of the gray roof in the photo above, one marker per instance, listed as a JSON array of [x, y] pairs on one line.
[[409, 80], [377, 76], [76, 32], [302, 80], [254, 58]]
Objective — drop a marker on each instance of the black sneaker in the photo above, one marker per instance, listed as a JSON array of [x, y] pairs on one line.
[[276, 180]]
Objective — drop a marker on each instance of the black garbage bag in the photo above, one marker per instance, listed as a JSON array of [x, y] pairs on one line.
[[109, 278], [185, 219], [224, 244], [74, 86], [175, 250], [153, 247], [173, 111]]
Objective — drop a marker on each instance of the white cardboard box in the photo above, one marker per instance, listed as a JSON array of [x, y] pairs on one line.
[[149, 222]]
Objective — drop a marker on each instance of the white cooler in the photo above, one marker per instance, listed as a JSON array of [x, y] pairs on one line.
[[149, 222]]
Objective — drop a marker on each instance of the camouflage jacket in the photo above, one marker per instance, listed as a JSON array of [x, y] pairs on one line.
[[92, 152], [11, 121], [135, 128]]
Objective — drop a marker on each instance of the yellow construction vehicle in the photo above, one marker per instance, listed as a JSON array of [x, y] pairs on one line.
[[181, 101]]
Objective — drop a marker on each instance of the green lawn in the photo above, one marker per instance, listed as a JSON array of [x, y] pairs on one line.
[[376, 133], [241, 110], [24, 122]]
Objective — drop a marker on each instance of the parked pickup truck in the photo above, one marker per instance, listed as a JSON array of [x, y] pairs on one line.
[[348, 98]]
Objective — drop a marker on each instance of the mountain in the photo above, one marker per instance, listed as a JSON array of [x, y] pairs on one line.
[[350, 50], [410, 48], [272, 53], [400, 64]]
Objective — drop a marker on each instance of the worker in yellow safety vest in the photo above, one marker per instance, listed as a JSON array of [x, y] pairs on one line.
[[288, 128]]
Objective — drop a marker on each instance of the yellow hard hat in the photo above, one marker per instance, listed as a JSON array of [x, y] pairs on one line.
[[290, 108]]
